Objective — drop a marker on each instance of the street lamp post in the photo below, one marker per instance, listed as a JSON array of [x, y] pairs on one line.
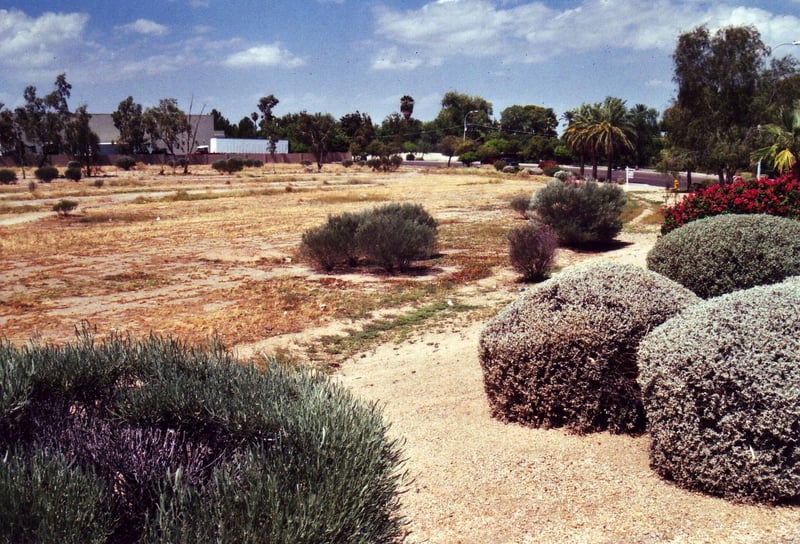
[[465, 123]]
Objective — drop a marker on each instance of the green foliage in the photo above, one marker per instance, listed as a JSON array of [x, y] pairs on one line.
[[532, 249], [499, 164], [779, 197], [7, 176], [564, 353], [65, 207], [201, 449], [73, 174], [521, 204], [228, 166], [720, 384], [725, 253], [347, 163], [46, 174], [391, 236], [46, 499], [581, 213], [549, 168], [468, 157], [333, 243], [125, 162]]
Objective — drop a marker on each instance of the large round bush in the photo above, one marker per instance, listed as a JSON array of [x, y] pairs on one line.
[[167, 443], [581, 213], [725, 253], [564, 354], [721, 388]]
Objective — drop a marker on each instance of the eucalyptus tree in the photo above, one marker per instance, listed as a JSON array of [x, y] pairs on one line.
[[129, 120], [168, 124], [317, 131], [82, 144], [43, 118], [462, 112]]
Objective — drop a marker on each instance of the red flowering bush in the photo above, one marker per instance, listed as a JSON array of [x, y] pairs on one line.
[[779, 197]]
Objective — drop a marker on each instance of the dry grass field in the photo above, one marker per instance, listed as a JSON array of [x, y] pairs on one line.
[[206, 254]]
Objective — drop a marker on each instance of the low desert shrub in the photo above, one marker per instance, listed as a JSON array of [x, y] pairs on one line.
[[44, 498], [720, 385], [228, 166], [347, 163], [499, 164], [724, 253], [188, 441], [7, 176], [65, 207], [532, 249], [779, 196], [564, 353], [521, 204], [73, 173], [125, 162], [46, 174], [391, 236], [580, 213], [394, 235]]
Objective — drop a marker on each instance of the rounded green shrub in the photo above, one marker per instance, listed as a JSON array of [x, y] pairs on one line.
[[7, 176], [333, 243], [521, 204], [725, 253], [721, 388], [73, 173], [581, 213], [190, 445], [46, 174], [564, 353], [228, 166], [125, 162], [393, 236], [532, 249]]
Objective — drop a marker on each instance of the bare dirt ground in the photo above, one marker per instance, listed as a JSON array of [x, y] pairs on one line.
[[206, 254]]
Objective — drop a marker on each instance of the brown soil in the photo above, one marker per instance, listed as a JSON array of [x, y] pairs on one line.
[[136, 261]]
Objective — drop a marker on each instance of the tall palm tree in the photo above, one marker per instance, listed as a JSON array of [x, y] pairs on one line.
[[613, 130], [785, 149], [578, 135]]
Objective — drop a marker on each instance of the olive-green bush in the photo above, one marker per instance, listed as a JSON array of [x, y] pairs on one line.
[[46, 174], [125, 162], [564, 353], [7, 176], [190, 445], [721, 388], [582, 212], [391, 236], [725, 253]]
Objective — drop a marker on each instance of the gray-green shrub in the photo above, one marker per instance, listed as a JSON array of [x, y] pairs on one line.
[[44, 498], [581, 213], [564, 353], [65, 207], [721, 387], [46, 174], [175, 432], [125, 162], [228, 166], [532, 249], [7, 176], [73, 173], [521, 204], [725, 253], [391, 236]]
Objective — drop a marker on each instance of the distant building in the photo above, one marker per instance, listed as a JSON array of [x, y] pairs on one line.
[[103, 125]]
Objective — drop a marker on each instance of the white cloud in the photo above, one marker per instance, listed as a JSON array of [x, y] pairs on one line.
[[29, 42], [534, 32], [264, 55], [390, 59], [146, 26]]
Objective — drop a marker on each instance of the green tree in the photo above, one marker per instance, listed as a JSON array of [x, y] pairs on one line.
[[267, 124], [82, 142], [358, 129], [221, 123], [406, 106], [529, 120], [168, 124], [578, 135], [43, 118], [613, 133], [129, 120], [646, 135], [462, 110], [317, 131], [12, 137], [718, 79]]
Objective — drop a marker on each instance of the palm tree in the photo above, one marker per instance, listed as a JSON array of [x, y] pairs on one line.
[[613, 130], [577, 135], [785, 149]]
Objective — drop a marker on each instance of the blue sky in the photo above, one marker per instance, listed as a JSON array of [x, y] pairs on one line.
[[339, 56]]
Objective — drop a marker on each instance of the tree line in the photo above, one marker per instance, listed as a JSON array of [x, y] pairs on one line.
[[736, 106]]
